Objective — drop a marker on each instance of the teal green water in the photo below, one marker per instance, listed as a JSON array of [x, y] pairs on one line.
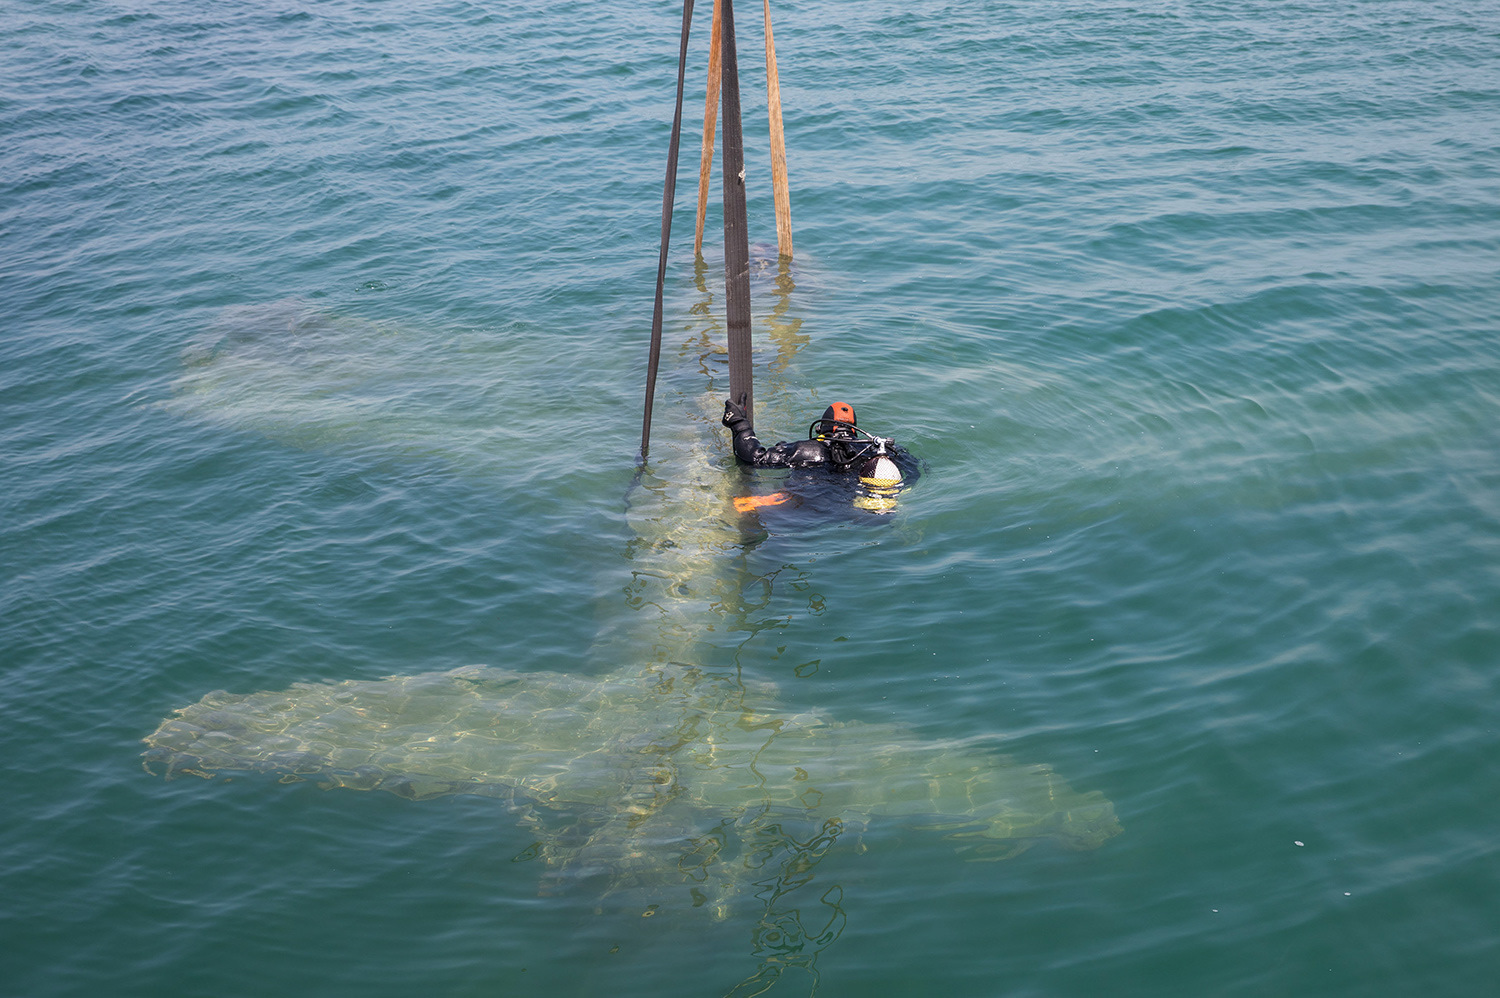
[[325, 327]]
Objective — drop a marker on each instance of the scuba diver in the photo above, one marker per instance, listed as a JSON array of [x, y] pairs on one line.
[[835, 443]]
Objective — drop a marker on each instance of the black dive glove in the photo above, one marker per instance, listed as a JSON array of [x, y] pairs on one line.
[[734, 414]]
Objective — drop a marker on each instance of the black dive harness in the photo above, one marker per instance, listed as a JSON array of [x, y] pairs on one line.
[[856, 446]]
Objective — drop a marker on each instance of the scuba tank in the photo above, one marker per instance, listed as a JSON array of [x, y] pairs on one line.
[[879, 479], [880, 470]]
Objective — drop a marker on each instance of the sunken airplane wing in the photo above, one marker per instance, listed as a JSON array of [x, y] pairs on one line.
[[665, 763]]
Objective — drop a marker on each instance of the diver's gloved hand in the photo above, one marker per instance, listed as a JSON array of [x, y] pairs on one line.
[[734, 414]]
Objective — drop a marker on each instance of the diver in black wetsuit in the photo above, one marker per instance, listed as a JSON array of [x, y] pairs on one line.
[[834, 444]]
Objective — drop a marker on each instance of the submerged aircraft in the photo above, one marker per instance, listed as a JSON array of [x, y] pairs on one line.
[[658, 769]]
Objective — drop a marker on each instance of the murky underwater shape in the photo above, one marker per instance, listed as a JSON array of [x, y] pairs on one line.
[[640, 757], [675, 781]]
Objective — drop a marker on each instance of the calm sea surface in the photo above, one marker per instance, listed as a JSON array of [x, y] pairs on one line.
[[324, 333]]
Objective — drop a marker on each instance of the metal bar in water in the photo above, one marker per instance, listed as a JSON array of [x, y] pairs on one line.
[[668, 196]]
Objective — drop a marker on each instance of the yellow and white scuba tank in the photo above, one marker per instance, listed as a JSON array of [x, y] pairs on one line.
[[880, 479]]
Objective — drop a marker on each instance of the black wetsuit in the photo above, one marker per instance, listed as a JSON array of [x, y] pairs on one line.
[[833, 454]]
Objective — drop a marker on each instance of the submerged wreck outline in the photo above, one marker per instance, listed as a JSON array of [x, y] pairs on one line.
[[676, 781]]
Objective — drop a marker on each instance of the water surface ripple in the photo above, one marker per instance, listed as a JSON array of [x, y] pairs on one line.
[[325, 327]]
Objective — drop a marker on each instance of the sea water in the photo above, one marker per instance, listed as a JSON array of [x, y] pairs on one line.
[[325, 329]]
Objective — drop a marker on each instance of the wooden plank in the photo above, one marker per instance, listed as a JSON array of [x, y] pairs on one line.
[[710, 113], [778, 144]]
